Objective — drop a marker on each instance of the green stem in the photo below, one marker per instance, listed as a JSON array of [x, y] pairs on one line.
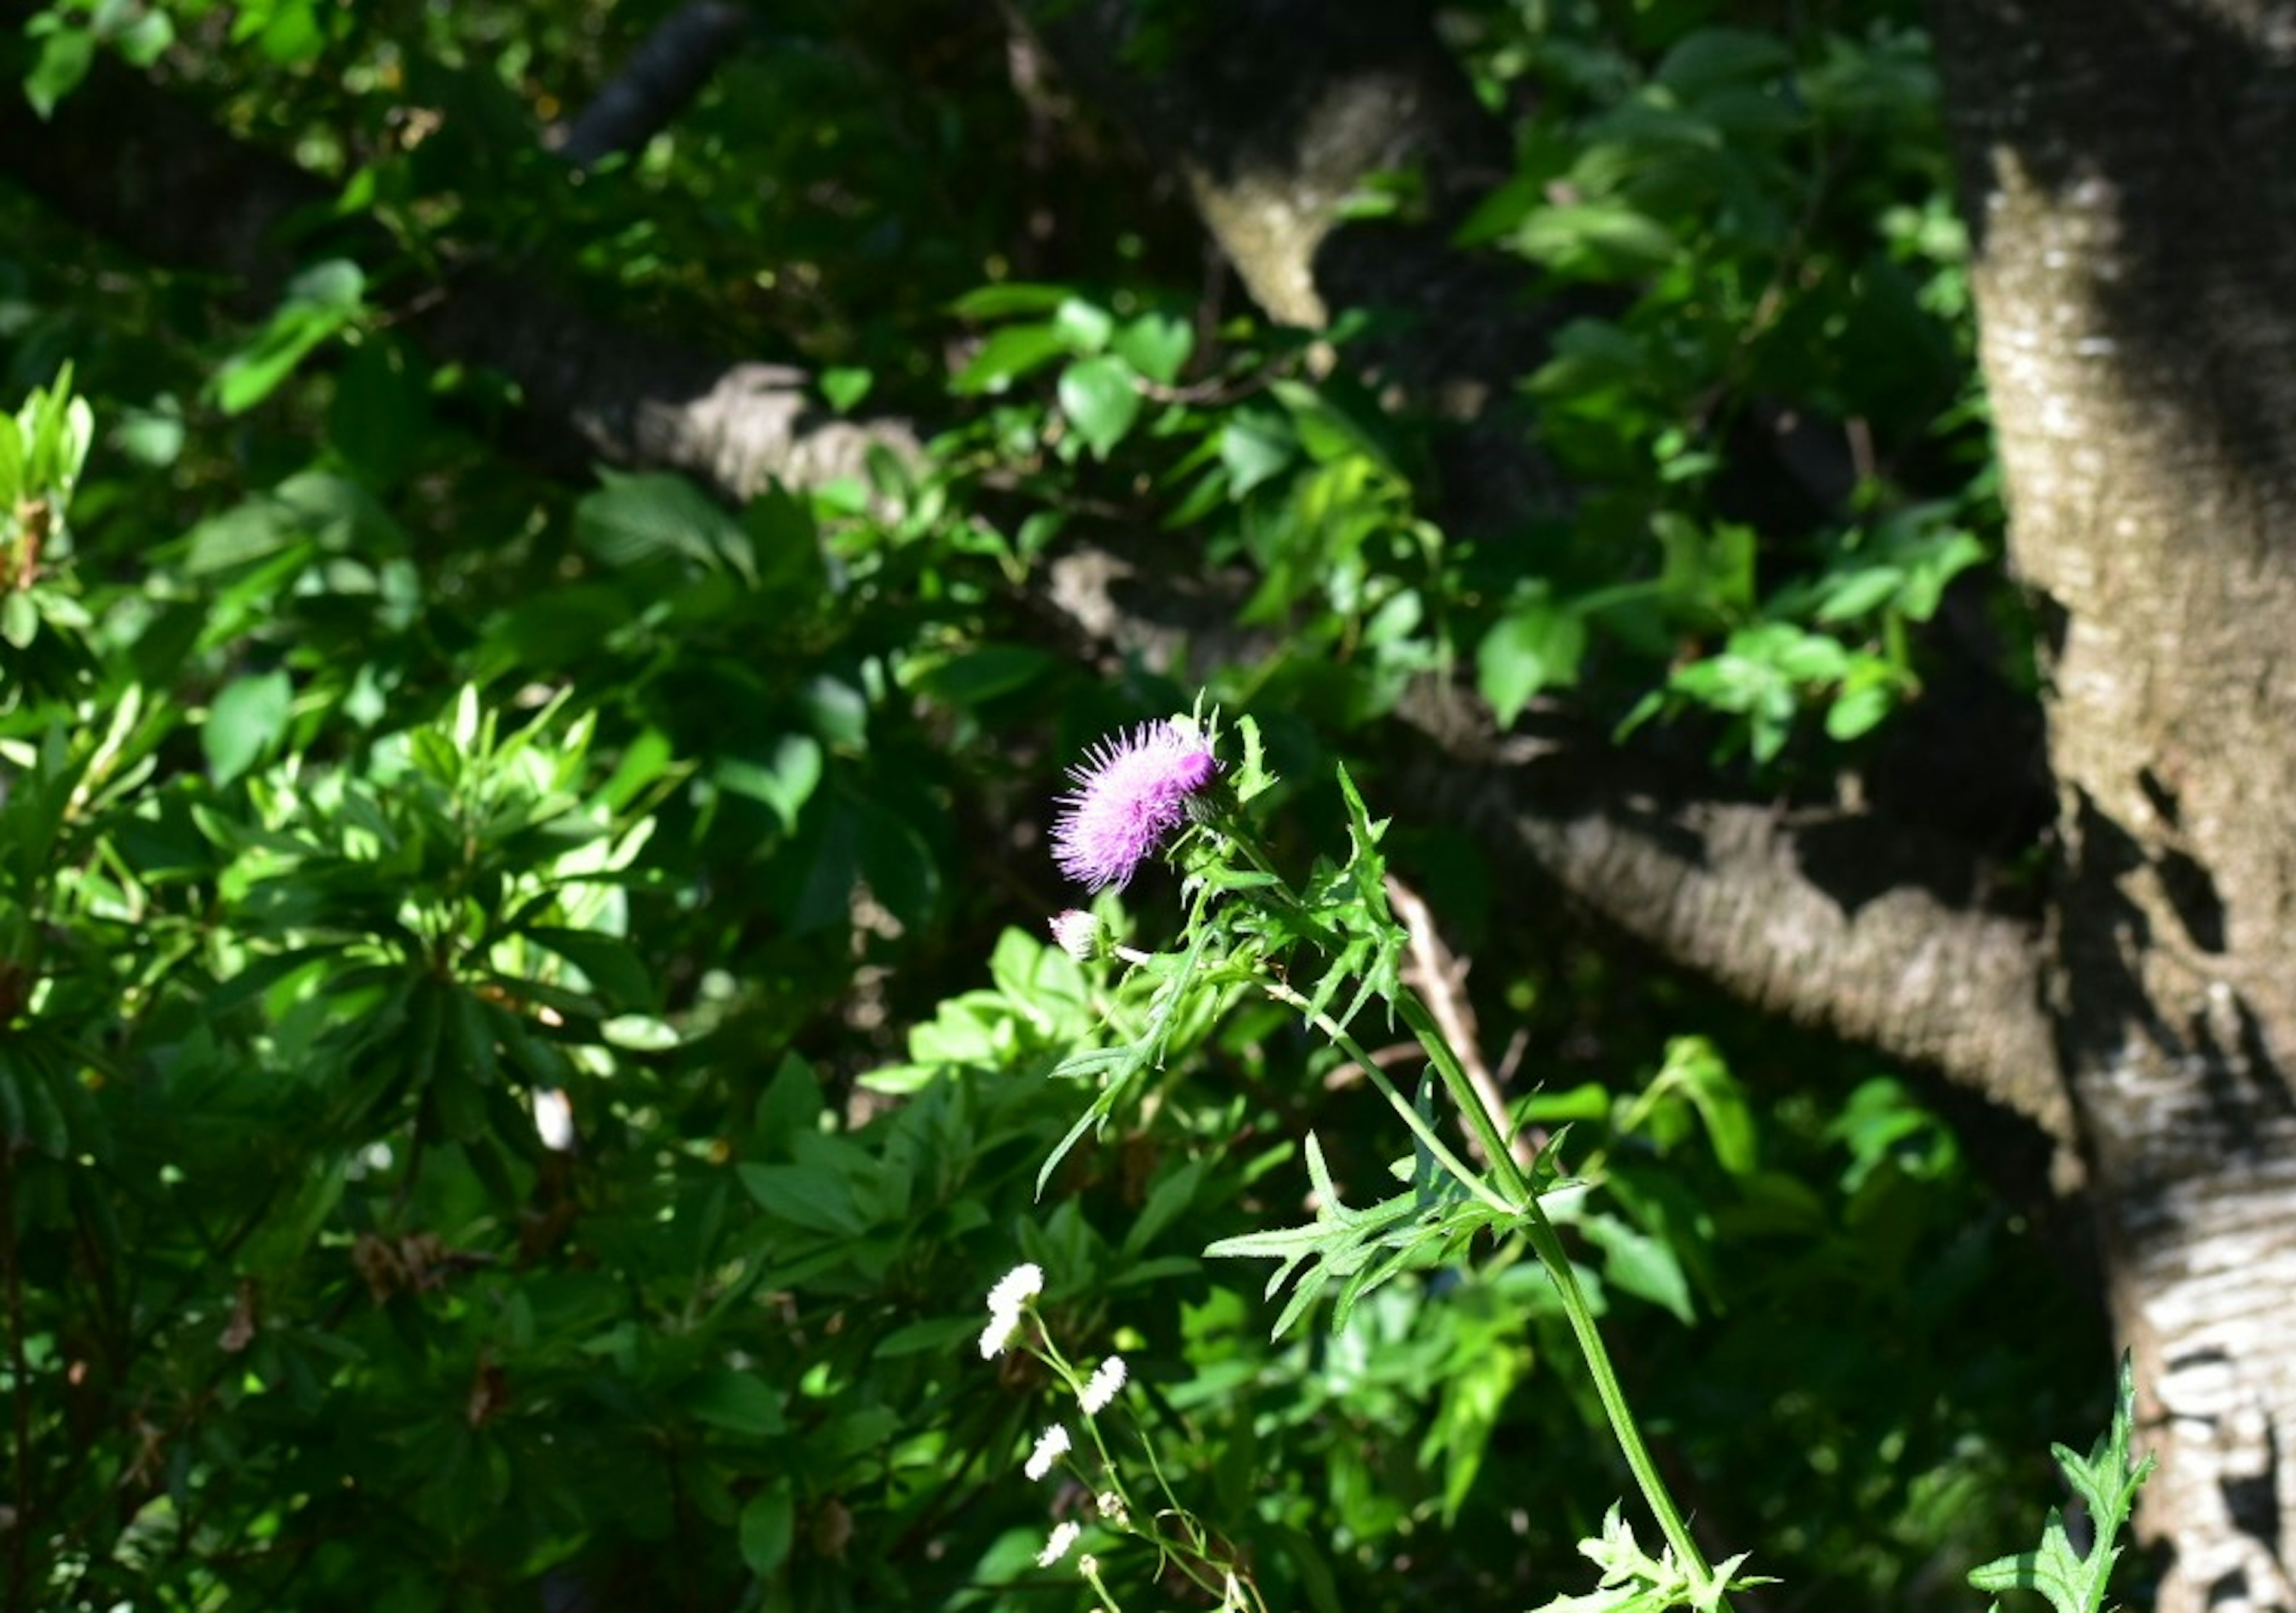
[[1468, 1101], [1548, 1245]]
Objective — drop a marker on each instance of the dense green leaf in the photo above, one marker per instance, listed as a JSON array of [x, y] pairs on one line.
[[1536, 645], [768, 1526], [736, 1401], [633, 519], [1011, 353], [319, 302], [1102, 400], [247, 718]]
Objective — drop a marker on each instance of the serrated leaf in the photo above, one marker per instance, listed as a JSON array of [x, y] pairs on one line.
[[1365, 1249], [2072, 1582], [1118, 1065]]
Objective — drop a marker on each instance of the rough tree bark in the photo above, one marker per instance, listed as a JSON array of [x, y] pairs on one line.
[[2126, 178]]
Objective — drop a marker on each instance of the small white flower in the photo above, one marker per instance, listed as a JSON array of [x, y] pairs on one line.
[[553, 1119], [1064, 1535], [1016, 1288], [1052, 1445], [1106, 1385], [1074, 932], [1013, 1290], [998, 1334], [1110, 1506], [1232, 1597], [1088, 1565]]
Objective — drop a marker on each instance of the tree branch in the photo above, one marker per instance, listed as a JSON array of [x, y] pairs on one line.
[[658, 82], [1874, 931]]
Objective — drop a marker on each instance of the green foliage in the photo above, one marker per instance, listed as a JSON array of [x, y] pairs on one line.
[[70, 33], [2072, 1579], [1306, 482], [365, 1139], [1726, 178], [43, 448], [320, 301], [1363, 1247]]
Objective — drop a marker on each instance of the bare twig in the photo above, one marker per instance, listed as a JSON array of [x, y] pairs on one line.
[[1439, 976], [1345, 1075]]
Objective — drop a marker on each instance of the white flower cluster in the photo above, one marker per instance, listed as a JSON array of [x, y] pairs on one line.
[[1011, 1306], [1013, 1290], [1052, 1445], [1106, 1384], [1064, 1535]]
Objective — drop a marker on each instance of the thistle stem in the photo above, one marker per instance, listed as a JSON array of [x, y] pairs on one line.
[[1467, 1099], [1518, 1200], [1548, 1246]]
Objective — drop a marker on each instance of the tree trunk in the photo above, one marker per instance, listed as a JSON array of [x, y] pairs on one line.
[[2133, 216]]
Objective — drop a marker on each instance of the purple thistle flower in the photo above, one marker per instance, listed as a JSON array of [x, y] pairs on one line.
[[1131, 793]]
